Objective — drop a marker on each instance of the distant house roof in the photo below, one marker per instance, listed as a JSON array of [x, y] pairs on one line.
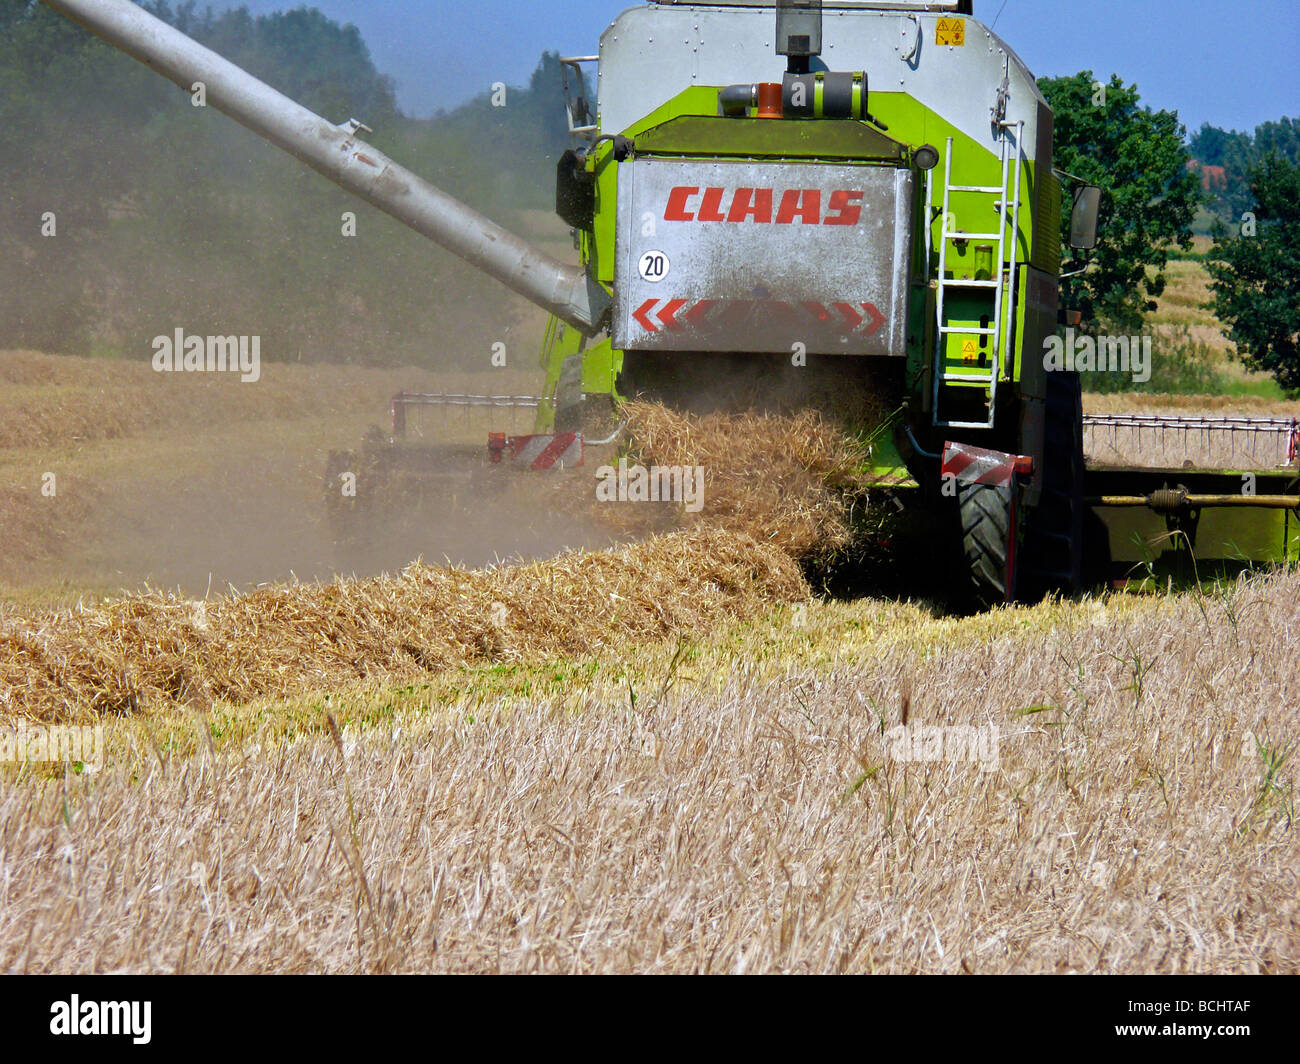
[[1213, 178]]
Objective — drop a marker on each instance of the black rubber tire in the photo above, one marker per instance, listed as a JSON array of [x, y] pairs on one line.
[[989, 535], [1054, 532]]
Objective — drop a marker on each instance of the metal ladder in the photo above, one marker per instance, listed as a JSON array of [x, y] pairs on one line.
[[999, 327]]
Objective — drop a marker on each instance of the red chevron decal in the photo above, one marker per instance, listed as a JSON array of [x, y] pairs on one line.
[[641, 315], [851, 317], [669, 314], [695, 316], [715, 314]]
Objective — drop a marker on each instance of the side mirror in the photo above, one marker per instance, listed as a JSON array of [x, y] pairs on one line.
[[582, 122], [1083, 222]]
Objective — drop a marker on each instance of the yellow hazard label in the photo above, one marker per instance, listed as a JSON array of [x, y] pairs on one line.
[[969, 352], [951, 31]]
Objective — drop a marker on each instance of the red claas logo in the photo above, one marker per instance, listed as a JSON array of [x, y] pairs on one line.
[[687, 203]]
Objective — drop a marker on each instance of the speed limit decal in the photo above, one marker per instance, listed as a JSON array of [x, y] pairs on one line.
[[654, 266]]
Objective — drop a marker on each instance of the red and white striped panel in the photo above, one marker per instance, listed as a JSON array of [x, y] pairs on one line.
[[548, 451], [975, 465]]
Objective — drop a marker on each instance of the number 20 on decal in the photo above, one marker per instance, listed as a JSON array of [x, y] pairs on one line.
[[654, 266]]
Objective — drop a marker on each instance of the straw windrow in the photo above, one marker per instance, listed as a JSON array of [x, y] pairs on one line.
[[776, 494], [143, 653]]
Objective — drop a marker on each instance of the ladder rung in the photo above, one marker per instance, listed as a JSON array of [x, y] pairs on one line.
[[972, 236], [988, 189], [953, 282], [964, 424], [990, 331], [968, 378]]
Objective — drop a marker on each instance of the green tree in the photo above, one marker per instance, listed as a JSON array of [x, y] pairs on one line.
[[60, 89], [1257, 276], [170, 215], [1138, 158], [311, 59], [1281, 138], [501, 148]]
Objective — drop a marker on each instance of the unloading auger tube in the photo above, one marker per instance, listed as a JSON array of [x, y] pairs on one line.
[[335, 151]]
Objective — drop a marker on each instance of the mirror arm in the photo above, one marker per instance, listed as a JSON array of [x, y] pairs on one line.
[[1070, 177]]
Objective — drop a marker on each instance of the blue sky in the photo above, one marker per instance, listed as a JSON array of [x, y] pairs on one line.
[[1233, 63]]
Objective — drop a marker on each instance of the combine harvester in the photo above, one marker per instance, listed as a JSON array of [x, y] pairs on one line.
[[853, 198]]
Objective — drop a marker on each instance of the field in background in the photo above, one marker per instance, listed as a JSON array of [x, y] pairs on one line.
[[197, 482], [1188, 335]]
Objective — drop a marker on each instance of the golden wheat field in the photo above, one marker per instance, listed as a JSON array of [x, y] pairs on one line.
[[726, 801], [580, 741]]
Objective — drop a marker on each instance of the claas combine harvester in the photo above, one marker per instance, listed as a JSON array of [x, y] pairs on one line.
[[853, 198]]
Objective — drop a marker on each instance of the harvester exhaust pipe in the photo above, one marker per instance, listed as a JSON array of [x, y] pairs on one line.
[[337, 153]]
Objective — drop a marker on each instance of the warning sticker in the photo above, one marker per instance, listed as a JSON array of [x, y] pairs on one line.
[[968, 352], [951, 31]]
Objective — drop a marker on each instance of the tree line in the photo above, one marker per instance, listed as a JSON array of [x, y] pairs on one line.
[[125, 211]]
